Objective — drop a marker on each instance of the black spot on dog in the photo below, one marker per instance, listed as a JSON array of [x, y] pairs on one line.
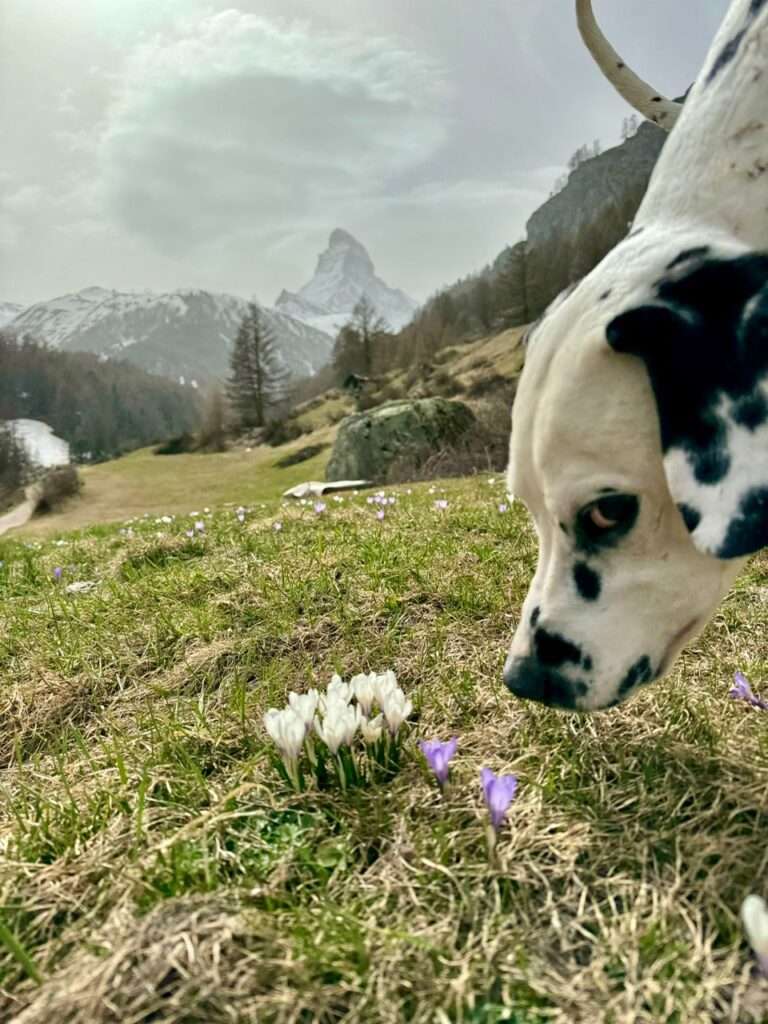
[[691, 516], [535, 616], [587, 581], [751, 411], [748, 531], [688, 254], [613, 703], [604, 295], [619, 63], [553, 649], [639, 673], [655, 99], [586, 662], [711, 466], [636, 231], [703, 337], [564, 528], [726, 55], [581, 688], [754, 8]]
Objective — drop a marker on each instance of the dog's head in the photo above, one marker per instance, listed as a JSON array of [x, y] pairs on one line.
[[640, 447]]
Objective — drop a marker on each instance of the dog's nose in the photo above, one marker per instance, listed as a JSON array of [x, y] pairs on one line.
[[528, 678]]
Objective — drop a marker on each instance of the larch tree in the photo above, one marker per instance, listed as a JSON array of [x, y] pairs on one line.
[[257, 381]]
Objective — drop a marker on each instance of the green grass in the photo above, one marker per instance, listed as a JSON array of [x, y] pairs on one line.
[[156, 868], [144, 482]]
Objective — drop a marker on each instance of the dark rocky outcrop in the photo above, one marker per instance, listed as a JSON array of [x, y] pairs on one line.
[[575, 229]]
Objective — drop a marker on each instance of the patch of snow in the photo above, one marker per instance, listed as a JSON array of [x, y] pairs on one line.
[[40, 443]]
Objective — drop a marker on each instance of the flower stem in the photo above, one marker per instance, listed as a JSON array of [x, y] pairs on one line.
[[490, 835]]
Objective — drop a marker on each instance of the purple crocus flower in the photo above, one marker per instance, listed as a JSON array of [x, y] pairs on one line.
[[57, 573], [380, 514], [277, 527], [741, 690], [190, 533], [498, 793], [200, 526], [441, 503], [438, 755], [502, 507], [320, 507], [241, 517]]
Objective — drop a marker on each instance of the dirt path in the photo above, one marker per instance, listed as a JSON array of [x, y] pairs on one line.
[[22, 513]]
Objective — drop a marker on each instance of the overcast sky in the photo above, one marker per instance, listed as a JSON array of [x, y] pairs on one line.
[[169, 143]]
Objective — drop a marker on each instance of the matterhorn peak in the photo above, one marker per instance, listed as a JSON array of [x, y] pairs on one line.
[[341, 237], [344, 274]]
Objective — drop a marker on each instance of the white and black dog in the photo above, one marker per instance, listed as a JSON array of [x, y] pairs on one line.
[[640, 427]]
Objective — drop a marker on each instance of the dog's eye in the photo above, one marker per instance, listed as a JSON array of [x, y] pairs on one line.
[[606, 520], [599, 519]]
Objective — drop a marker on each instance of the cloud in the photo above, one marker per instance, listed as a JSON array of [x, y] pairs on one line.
[[236, 122]]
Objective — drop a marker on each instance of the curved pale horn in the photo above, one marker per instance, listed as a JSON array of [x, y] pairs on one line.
[[635, 91]]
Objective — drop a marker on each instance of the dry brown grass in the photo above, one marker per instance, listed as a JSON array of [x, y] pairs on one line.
[[156, 869]]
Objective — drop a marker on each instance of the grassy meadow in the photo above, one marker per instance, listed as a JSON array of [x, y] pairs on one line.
[[156, 867], [159, 484]]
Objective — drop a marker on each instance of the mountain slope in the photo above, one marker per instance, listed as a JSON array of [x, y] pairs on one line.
[[9, 311], [185, 335], [345, 272]]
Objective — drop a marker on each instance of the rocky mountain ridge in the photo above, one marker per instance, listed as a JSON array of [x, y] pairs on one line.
[[575, 228], [185, 335], [9, 311]]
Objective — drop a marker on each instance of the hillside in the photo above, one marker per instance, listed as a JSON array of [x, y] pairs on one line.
[[184, 335], [9, 311], [158, 865], [100, 407]]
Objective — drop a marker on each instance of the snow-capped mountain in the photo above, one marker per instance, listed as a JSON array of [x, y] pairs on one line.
[[9, 311], [185, 335], [345, 273]]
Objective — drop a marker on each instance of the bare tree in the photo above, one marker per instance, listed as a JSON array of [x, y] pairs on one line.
[[257, 380]]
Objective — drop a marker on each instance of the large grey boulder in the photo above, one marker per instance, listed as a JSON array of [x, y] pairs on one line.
[[369, 442]]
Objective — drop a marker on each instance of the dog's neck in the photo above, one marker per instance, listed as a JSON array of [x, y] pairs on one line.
[[713, 170]]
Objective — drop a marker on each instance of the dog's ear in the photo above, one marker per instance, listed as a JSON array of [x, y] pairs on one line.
[[703, 336]]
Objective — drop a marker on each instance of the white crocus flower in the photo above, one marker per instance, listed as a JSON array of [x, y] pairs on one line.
[[337, 690], [396, 708], [384, 684], [287, 730], [363, 687], [338, 727], [754, 915], [371, 728], [305, 706]]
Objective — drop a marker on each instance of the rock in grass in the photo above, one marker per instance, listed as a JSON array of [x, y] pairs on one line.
[[369, 442]]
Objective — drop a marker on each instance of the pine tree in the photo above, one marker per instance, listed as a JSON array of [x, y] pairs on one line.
[[370, 328], [257, 381], [347, 353], [213, 432], [14, 464]]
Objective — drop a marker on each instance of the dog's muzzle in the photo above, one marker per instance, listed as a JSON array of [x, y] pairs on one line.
[[528, 678]]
